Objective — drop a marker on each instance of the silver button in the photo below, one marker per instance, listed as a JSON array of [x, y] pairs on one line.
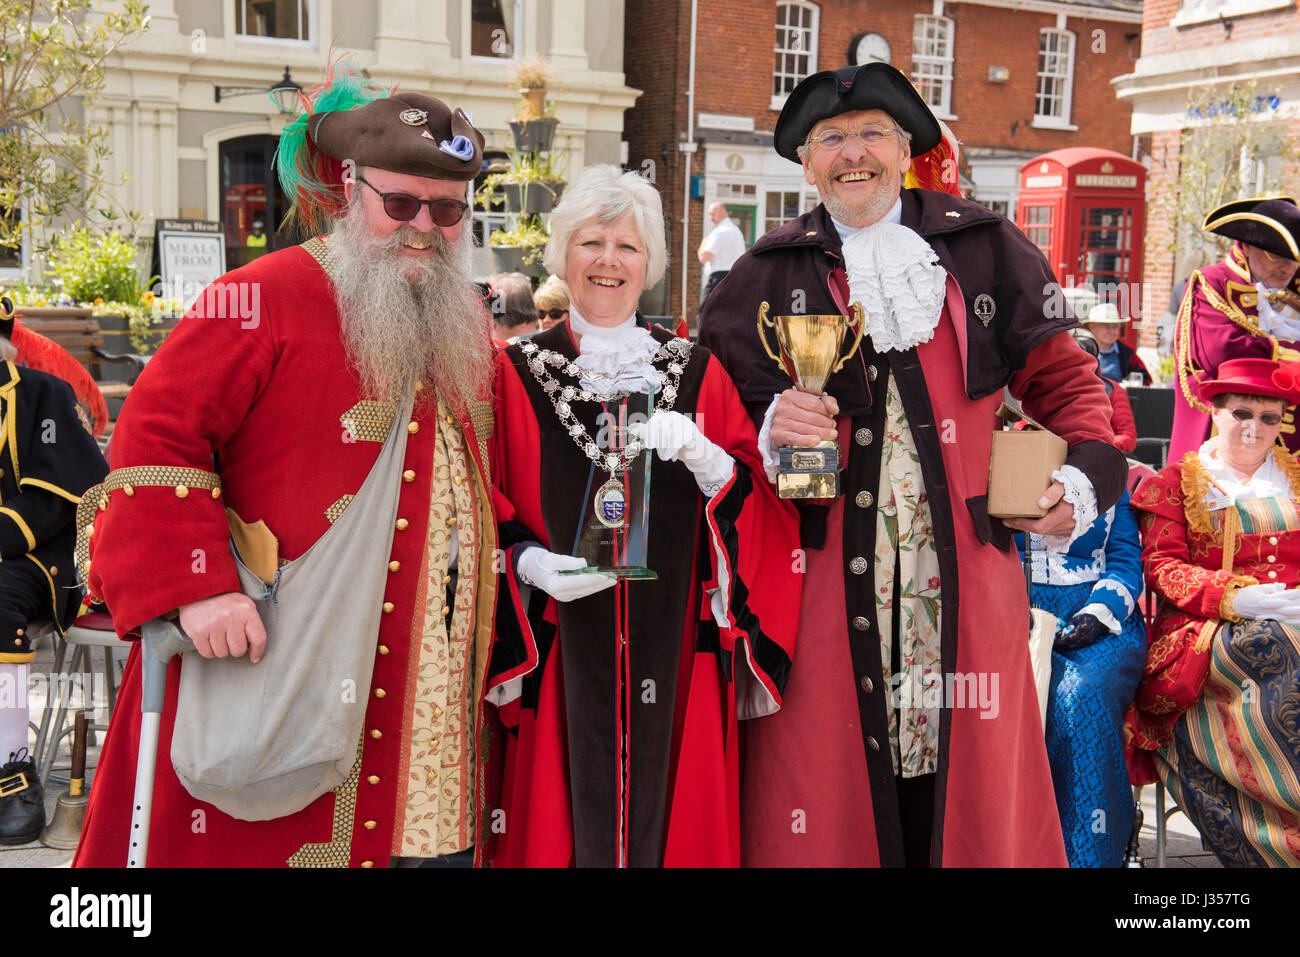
[[872, 372], [858, 566], [1272, 558], [1272, 540], [864, 499], [867, 686], [861, 623], [873, 744], [862, 436], [1272, 574]]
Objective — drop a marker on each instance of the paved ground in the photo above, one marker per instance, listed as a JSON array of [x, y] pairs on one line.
[[1183, 842]]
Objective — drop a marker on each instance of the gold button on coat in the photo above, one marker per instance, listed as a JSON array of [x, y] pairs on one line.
[[182, 491], [367, 863], [376, 733], [394, 566], [408, 475], [373, 779], [383, 649], [370, 825], [388, 607], [381, 693], [412, 427], [401, 524]]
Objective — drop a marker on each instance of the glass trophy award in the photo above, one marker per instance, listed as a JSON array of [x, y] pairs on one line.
[[613, 529]]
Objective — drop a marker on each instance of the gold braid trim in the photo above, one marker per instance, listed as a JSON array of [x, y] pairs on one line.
[[1183, 343], [1290, 468], [1196, 486], [127, 480], [1227, 604], [1231, 532]]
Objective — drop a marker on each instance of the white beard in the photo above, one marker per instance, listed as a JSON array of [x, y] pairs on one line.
[[409, 319]]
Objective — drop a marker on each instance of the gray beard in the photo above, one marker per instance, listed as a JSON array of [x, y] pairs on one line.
[[409, 319]]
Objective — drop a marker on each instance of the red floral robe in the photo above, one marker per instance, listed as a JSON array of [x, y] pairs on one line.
[[1183, 555]]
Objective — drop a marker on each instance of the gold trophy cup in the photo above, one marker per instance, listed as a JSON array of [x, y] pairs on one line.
[[809, 350]]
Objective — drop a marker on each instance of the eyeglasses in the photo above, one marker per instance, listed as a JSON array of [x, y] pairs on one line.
[[1245, 415], [552, 313], [870, 135], [404, 207]]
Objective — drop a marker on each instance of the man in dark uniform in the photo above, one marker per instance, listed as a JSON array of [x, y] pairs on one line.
[[47, 460], [883, 719]]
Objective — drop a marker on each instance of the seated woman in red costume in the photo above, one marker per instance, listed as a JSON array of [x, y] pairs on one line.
[[621, 695], [1214, 717]]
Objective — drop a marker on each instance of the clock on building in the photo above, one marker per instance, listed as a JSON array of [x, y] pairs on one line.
[[868, 48]]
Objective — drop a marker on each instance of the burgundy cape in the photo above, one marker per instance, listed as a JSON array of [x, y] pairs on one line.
[[1219, 320], [819, 784], [642, 666]]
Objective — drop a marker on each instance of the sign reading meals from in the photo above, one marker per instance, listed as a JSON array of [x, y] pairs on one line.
[[190, 251]]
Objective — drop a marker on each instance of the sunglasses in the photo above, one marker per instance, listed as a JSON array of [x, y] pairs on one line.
[[1245, 415], [404, 207], [552, 313]]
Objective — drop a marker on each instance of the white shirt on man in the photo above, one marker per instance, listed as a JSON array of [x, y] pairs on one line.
[[727, 245]]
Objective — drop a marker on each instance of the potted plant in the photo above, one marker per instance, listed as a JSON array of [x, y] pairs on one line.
[[519, 249], [534, 127], [530, 185]]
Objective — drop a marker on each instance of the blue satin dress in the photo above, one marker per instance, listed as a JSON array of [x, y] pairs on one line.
[[1093, 686]]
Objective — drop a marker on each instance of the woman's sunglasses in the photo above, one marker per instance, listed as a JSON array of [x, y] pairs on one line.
[[552, 313], [1245, 415], [404, 207]]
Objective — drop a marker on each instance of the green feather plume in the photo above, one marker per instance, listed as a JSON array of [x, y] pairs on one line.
[[312, 180]]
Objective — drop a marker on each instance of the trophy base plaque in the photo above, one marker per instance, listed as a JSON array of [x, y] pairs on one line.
[[809, 473]]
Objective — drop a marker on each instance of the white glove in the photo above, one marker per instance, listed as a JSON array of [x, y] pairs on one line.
[[1270, 602], [676, 439], [541, 569]]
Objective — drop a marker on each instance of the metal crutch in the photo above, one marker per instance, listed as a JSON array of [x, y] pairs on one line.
[[160, 641]]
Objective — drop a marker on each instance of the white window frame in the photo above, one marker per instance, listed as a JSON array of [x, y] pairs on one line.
[[17, 274], [311, 42], [941, 65], [779, 53], [1051, 121], [516, 40]]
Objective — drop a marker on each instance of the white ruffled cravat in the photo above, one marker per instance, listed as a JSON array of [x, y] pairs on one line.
[[896, 276], [620, 355]]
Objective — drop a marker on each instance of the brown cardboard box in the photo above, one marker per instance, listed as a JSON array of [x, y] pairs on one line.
[[1021, 464]]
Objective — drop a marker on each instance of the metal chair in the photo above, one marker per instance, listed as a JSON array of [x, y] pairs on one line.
[[90, 631], [1153, 417]]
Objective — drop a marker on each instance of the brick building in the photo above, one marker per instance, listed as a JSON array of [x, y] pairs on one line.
[[1187, 48], [1012, 78]]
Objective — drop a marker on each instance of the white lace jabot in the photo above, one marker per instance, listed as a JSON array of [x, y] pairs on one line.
[[896, 276], [1269, 481], [621, 351]]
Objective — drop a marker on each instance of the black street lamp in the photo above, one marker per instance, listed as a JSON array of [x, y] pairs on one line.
[[284, 94]]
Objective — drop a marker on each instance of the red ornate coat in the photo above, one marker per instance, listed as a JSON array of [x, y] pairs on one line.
[[265, 393], [1183, 554], [1219, 320]]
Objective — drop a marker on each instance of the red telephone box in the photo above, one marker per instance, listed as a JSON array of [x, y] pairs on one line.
[[1086, 210]]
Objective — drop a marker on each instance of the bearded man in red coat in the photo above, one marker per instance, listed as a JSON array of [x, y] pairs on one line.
[[263, 423], [910, 733]]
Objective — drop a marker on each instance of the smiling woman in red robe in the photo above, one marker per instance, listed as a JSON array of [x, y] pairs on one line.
[[622, 697]]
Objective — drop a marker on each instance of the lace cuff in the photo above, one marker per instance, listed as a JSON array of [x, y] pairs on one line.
[[1102, 614], [1080, 494], [771, 458]]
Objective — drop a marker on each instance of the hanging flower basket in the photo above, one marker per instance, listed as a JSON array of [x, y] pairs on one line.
[[532, 198], [534, 135]]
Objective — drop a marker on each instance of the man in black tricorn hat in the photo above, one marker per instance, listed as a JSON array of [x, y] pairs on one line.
[[262, 420], [910, 703], [1246, 307]]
